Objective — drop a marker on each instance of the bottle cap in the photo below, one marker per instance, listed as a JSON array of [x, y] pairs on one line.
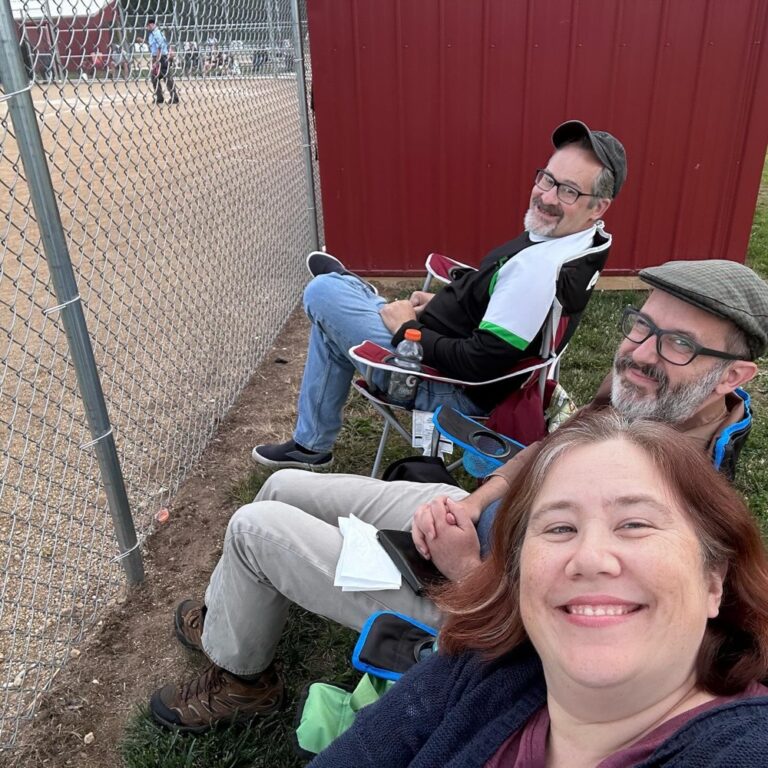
[[413, 334]]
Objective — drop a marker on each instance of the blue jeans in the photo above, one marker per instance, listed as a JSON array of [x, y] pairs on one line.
[[344, 312]]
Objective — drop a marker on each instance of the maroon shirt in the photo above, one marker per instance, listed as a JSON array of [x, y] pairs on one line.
[[527, 747]]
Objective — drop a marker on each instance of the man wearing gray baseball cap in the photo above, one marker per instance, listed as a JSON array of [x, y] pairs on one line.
[[482, 324]]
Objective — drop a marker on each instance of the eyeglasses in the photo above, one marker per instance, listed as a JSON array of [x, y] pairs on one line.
[[565, 192], [675, 348]]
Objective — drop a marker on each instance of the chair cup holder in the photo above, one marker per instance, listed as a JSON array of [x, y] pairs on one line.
[[489, 444]]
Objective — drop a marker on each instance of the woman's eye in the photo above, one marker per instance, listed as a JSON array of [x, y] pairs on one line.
[[635, 524], [560, 529]]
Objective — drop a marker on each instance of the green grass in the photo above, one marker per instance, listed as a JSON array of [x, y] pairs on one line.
[[752, 479], [315, 649], [757, 252], [312, 649]]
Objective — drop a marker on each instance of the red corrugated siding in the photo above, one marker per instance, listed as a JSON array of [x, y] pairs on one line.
[[77, 37], [433, 114]]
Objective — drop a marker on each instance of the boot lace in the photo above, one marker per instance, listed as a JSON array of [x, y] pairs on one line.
[[206, 684]]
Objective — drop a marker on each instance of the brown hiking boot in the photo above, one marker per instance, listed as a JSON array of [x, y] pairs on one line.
[[216, 696], [188, 621]]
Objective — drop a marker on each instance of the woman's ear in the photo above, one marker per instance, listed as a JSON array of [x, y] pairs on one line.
[[716, 578]]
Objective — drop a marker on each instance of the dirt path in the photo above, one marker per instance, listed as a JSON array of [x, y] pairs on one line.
[[133, 651]]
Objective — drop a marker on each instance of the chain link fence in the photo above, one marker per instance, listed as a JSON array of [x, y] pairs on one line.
[[186, 224]]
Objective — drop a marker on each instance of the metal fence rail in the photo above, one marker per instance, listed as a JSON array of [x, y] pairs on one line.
[[186, 225]]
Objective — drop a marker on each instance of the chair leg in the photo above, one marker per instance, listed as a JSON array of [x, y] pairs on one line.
[[427, 282], [455, 465], [542, 382], [380, 450]]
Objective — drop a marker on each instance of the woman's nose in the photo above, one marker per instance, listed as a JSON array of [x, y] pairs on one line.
[[593, 554]]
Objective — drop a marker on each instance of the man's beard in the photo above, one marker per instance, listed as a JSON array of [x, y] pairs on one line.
[[669, 404], [533, 223]]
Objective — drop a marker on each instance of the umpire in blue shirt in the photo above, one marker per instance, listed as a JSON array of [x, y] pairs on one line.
[[161, 70]]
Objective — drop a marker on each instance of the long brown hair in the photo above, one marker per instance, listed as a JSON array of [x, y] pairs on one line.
[[483, 613]]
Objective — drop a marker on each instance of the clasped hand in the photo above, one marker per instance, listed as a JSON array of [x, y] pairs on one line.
[[444, 531]]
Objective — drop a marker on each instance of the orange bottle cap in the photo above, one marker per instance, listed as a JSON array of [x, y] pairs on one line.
[[413, 334]]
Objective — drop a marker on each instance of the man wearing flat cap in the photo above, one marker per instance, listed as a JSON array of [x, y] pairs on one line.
[[686, 352]]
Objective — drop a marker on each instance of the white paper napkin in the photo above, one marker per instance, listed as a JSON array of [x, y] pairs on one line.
[[363, 564]]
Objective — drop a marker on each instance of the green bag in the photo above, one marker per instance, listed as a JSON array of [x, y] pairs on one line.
[[326, 711]]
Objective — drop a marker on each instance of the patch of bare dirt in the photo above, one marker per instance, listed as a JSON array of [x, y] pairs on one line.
[[133, 650]]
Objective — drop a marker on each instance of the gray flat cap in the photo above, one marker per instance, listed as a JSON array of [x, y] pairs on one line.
[[724, 288]]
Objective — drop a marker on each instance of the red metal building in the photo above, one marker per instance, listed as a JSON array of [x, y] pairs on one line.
[[70, 31], [432, 116]]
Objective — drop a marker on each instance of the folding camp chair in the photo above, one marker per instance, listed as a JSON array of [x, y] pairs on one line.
[[369, 357], [561, 322]]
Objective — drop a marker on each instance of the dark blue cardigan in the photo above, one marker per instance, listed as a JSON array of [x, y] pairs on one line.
[[455, 712]]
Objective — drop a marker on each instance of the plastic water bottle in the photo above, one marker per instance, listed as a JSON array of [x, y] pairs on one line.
[[402, 386]]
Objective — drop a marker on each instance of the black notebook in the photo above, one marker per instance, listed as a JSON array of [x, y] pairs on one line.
[[418, 573]]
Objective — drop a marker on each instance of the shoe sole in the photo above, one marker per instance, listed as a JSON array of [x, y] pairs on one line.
[[246, 717], [180, 636], [322, 253], [259, 459]]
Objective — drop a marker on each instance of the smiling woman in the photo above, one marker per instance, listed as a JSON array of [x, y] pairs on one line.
[[620, 620]]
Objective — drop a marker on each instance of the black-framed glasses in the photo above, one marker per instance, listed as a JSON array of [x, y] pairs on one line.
[[674, 347], [565, 192]]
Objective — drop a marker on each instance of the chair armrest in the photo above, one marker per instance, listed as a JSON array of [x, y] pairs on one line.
[[369, 355], [484, 449], [440, 268]]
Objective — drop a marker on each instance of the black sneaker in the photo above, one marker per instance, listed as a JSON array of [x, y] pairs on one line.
[[321, 263], [290, 454]]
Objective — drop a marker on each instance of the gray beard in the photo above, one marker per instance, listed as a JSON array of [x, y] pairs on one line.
[[669, 405], [535, 227]]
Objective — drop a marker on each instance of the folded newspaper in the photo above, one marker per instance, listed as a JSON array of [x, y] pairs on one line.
[[363, 564]]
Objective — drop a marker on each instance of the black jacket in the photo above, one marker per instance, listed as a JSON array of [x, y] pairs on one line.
[[453, 341]]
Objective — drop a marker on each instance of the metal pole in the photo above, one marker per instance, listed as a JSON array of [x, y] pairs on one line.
[[30, 144], [175, 36], [196, 65], [53, 32], [301, 87], [272, 55]]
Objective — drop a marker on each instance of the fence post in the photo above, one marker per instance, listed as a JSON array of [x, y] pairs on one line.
[[21, 109], [301, 86]]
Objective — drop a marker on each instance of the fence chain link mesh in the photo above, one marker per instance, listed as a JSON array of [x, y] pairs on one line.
[[187, 225]]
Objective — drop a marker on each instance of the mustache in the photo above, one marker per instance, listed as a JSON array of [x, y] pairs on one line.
[[625, 362], [552, 210]]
